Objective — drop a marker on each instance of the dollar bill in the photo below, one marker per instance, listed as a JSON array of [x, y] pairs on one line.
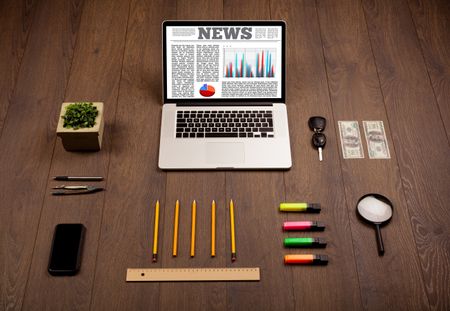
[[377, 145], [351, 144]]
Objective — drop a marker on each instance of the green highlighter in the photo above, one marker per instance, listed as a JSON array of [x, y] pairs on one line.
[[305, 242], [300, 207]]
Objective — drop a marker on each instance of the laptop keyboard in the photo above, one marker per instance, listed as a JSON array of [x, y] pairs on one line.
[[226, 123]]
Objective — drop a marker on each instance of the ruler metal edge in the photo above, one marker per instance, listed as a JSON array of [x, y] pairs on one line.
[[192, 274]]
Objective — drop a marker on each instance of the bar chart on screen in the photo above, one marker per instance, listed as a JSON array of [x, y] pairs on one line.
[[249, 63]]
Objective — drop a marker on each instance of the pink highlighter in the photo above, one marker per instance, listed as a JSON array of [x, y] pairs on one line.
[[303, 226]]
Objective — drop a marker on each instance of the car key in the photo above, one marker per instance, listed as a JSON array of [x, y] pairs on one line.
[[318, 124], [319, 140]]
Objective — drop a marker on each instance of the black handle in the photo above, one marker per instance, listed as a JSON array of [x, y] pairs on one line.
[[61, 178], [379, 240], [78, 178]]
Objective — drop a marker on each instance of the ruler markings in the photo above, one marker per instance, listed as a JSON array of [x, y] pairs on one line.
[[192, 274]]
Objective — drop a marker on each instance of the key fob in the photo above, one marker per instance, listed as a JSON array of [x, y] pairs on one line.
[[319, 140], [317, 124]]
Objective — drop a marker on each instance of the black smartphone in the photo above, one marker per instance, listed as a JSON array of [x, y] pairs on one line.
[[67, 246]]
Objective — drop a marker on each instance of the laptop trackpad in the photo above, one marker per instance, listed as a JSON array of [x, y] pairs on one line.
[[224, 153]]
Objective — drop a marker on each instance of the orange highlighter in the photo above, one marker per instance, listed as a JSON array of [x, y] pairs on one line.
[[305, 259]]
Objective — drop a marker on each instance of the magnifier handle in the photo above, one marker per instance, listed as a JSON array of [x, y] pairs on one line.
[[379, 240]]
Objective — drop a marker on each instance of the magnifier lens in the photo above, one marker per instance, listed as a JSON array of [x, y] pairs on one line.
[[376, 209]]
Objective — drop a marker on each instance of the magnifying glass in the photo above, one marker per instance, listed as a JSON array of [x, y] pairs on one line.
[[376, 209]]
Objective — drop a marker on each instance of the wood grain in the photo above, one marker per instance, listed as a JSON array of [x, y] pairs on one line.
[[416, 127], [350, 66], [28, 138], [201, 9], [17, 18], [94, 76], [432, 22], [307, 95], [134, 181], [259, 242]]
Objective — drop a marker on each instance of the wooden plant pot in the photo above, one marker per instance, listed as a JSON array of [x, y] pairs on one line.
[[83, 139]]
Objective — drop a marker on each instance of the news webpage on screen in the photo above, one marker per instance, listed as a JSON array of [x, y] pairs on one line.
[[223, 62]]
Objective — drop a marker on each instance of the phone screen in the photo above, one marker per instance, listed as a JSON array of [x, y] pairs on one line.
[[65, 256]]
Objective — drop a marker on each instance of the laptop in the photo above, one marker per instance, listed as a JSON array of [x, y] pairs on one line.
[[224, 94]]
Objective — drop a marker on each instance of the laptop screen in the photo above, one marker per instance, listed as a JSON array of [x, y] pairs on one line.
[[223, 61]]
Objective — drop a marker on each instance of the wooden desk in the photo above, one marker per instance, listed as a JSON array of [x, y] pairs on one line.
[[346, 60]]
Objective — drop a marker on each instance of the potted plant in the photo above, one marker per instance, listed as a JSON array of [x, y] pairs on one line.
[[80, 126]]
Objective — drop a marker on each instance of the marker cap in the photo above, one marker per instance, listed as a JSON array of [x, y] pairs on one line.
[[305, 242], [306, 259], [303, 226], [300, 207]]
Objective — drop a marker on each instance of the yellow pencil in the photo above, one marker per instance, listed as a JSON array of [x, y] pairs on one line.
[[175, 229], [233, 241], [213, 228], [155, 233], [194, 210]]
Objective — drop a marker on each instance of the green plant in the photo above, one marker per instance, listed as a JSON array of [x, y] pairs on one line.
[[80, 115]]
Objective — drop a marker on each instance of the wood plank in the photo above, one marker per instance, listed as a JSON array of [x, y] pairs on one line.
[[28, 138], [256, 196], [203, 187], [259, 242], [416, 127], [310, 180], [134, 181], [94, 76], [246, 10], [432, 22], [201, 9], [350, 66], [16, 17]]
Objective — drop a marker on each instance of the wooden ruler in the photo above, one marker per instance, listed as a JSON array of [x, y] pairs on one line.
[[192, 274]]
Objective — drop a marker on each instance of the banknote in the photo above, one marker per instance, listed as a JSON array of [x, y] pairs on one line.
[[377, 144], [350, 140]]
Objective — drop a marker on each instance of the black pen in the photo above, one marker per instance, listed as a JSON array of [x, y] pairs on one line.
[[78, 178]]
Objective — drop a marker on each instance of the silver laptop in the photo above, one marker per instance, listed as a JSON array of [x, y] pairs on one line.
[[224, 94]]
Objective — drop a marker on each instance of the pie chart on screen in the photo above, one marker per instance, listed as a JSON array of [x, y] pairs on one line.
[[207, 90]]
